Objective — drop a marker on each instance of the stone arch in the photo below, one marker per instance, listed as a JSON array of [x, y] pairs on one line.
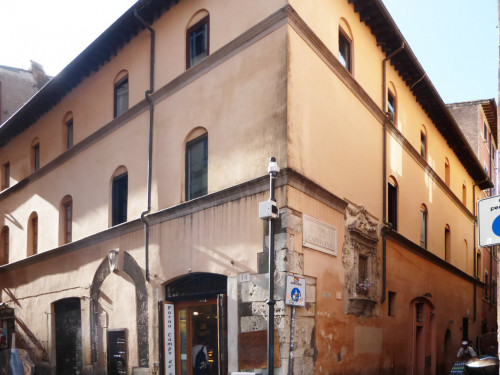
[[132, 269]]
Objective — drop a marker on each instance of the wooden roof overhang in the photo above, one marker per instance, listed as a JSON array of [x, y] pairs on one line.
[[389, 38], [90, 60]]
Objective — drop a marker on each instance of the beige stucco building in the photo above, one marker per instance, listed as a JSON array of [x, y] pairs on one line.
[[132, 182]]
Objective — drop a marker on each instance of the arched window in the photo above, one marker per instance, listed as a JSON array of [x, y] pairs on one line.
[[447, 172], [197, 38], [392, 203], [35, 155], [66, 220], [423, 226], [121, 90], [4, 245], [447, 243], [68, 129], [423, 143], [392, 103], [464, 193], [33, 234], [197, 165], [119, 196]]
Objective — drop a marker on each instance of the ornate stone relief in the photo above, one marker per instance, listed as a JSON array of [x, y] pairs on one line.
[[361, 262]]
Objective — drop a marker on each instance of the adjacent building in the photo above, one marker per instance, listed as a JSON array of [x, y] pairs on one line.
[[131, 184]]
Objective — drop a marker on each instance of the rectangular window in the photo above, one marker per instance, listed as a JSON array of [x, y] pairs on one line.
[[5, 245], [121, 96], [390, 303], [362, 268], [119, 199], [197, 167], [392, 205], [485, 131], [68, 217], [36, 157], [69, 134], [6, 176], [344, 51], [197, 42]]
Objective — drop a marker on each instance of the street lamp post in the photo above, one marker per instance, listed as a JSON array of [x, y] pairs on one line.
[[269, 211]]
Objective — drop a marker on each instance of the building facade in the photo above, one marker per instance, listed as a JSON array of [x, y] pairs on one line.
[[132, 182]]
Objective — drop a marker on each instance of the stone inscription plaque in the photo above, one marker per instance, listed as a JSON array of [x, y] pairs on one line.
[[319, 235]]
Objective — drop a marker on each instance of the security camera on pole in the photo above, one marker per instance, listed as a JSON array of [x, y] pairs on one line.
[[268, 210]]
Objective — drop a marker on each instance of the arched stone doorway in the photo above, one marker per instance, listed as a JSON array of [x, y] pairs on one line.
[[134, 273]]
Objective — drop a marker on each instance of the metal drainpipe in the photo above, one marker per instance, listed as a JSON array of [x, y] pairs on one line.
[[476, 276], [150, 151], [384, 172]]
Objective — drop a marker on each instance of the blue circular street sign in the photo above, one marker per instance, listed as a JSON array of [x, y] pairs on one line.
[[496, 226], [295, 294]]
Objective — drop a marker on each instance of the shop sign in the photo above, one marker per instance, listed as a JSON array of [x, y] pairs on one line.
[[169, 338], [489, 221]]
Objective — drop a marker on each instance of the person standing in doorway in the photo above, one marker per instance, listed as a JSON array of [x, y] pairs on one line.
[[200, 358]]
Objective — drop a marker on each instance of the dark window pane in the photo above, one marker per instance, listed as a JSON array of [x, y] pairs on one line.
[[119, 199], [196, 168], [391, 106], [197, 42], [69, 126], [36, 157], [121, 97], [344, 51], [392, 210]]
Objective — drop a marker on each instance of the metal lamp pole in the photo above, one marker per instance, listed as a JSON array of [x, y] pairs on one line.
[[273, 171]]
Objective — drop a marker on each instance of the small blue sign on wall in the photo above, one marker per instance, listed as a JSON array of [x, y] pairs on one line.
[[295, 291], [488, 219]]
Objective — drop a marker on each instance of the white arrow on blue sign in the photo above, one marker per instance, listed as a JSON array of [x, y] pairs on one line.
[[488, 219]]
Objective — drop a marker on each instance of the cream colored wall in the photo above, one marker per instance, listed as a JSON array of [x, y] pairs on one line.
[[242, 135], [243, 108], [228, 19], [335, 141]]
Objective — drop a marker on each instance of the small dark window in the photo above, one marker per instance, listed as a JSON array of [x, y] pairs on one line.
[[391, 106], [447, 243], [344, 51], [69, 134], [34, 235], [419, 309], [36, 157], [362, 268], [119, 199], [6, 176], [4, 245], [392, 205], [390, 303], [423, 145], [197, 42], [197, 167], [485, 131], [423, 227], [68, 218], [121, 96]]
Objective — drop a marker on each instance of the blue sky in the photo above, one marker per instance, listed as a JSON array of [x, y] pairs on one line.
[[455, 41]]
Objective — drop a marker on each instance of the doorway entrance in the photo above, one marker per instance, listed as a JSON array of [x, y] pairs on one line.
[[200, 322], [68, 336]]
